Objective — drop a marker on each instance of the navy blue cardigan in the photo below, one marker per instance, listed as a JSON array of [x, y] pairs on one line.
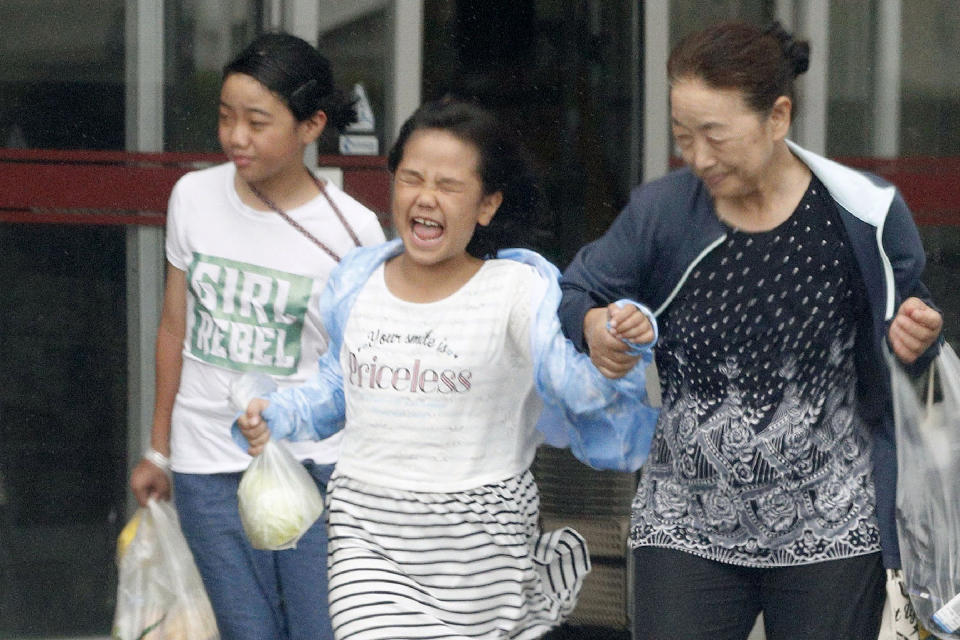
[[670, 224]]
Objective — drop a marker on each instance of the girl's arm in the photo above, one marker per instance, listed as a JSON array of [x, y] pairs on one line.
[[148, 479], [316, 409], [312, 411], [606, 423]]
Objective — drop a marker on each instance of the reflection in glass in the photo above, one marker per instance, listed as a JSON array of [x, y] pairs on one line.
[[61, 81], [63, 370], [201, 37], [560, 74], [63, 427]]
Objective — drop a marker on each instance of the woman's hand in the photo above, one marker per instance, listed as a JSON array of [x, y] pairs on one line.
[[914, 329], [254, 427], [148, 480], [629, 323], [608, 351]]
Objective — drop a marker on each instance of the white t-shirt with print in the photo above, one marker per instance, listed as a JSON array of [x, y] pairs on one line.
[[440, 396], [252, 286]]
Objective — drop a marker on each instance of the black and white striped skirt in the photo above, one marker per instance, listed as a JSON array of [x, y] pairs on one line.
[[448, 565]]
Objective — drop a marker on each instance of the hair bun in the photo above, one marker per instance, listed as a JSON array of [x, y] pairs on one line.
[[796, 52]]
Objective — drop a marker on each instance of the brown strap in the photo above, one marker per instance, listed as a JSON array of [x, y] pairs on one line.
[[299, 227]]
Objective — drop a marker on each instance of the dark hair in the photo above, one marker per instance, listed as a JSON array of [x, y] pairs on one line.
[[297, 73], [761, 63], [503, 167]]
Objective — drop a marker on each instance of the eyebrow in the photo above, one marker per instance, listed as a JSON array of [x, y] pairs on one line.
[[707, 126], [261, 112], [443, 180]]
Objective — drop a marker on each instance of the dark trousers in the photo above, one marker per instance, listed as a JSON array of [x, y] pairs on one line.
[[680, 596]]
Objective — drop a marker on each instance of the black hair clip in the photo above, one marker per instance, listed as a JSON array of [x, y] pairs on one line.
[[303, 89]]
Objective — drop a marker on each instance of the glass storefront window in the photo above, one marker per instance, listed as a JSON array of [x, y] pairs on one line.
[[851, 79], [560, 74], [61, 81], [201, 37], [930, 121], [63, 427], [687, 16], [63, 371], [358, 54], [930, 126]]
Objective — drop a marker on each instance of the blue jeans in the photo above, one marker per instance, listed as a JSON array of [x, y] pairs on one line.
[[680, 595], [255, 594]]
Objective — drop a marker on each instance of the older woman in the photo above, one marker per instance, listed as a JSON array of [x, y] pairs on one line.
[[777, 276]]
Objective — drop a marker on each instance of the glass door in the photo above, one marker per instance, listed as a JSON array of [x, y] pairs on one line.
[[63, 370]]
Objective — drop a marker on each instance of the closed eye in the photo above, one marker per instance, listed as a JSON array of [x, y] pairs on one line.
[[451, 186], [408, 178]]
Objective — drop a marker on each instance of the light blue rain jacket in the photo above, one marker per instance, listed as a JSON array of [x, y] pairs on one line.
[[608, 424]]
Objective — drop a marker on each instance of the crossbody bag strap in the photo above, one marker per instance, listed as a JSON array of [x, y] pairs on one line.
[[299, 227]]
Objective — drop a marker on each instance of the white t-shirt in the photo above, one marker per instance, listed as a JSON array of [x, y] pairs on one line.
[[440, 396], [252, 287]]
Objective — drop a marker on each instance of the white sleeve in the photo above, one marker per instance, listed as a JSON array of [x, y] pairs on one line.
[[371, 232], [177, 248], [527, 296]]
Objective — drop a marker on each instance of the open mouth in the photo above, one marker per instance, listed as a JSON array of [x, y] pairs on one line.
[[426, 229]]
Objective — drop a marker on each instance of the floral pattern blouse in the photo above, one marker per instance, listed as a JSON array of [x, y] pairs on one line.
[[759, 457]]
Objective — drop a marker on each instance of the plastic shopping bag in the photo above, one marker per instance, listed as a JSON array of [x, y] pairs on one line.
[[277, 497], [928, 492], [899, 619], [160, 595]]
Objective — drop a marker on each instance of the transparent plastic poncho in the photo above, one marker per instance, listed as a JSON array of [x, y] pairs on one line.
[[607, 424]]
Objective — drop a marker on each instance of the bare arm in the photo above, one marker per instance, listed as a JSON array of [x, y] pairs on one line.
[[148, 479]]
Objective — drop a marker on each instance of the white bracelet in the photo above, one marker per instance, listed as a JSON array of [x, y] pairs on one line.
[[157, 458]]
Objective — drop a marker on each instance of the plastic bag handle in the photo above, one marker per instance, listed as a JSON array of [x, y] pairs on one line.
[[930, 385]]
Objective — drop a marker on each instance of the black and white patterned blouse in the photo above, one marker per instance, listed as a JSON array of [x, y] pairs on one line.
[[759, 457]]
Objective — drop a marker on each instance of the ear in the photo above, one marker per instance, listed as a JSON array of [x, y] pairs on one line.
[[311, 128], [780, 115], [488, 207]]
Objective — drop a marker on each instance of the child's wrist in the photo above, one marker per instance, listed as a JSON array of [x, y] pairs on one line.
[[157, 459]]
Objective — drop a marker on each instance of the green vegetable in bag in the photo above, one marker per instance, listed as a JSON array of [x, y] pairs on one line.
[[278, 499]]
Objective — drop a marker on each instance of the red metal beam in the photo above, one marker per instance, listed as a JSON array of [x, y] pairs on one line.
[[930, 186], [116, 187]]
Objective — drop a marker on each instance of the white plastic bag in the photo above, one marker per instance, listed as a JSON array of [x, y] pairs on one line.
[[928, 492], [160, 595], [277, 497], [899, 619]]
